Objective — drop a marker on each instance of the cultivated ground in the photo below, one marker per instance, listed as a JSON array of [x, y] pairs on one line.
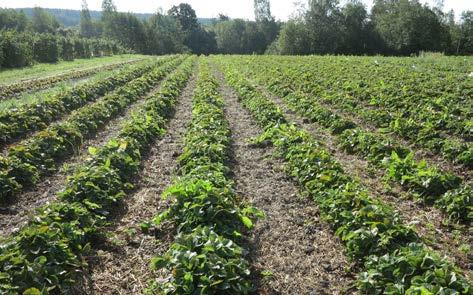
[[346, 208]]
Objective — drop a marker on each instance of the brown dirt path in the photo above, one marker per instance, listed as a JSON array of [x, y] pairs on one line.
[[292, 251]]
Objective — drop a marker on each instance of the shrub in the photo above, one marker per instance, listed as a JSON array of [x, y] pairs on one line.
[[1, 57], [16, 50], [95, 48], [45, 48], [67, 49], [80, 50]]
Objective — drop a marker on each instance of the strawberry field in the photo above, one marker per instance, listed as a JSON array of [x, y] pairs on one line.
[[239, 175]]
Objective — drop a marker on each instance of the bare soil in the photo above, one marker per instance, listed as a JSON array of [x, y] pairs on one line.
[[122, 263], [292, 251]]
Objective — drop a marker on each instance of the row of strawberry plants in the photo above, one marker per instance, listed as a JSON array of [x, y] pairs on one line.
[[439, 121], [11, 90], [391, 255], [430, 99], [38, 155], [47, 255], [205, 257], [425, 182], [17, 122], [414, 119]]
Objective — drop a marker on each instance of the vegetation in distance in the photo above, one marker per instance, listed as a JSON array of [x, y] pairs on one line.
[[401, 27]]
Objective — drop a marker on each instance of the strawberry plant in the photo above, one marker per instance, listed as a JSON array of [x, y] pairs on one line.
[[17, 122], [379, 148], [411, 270], [430, 183], [39, 155], [218, 261], [458, 203], [46, 255], [9, 91], [205, 257], [391, 255]]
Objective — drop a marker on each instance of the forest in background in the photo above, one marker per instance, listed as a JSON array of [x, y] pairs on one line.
[[391, 27], [71, 17]]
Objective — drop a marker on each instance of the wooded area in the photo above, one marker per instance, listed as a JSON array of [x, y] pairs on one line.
[[392, 27]]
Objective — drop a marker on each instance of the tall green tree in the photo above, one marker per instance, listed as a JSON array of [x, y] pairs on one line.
[[164, 35], [266, 24], [109, 13], [406, 26], [197, 39], [12, 19], [86, 25], [465, 43], [262, 10], [43, 22], [355, 18], [324, 21], [186, 16], [238, 36], [129, 31], [228, 35], [108, 8], [294, 39]]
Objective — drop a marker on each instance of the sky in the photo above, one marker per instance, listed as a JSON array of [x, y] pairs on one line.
[[281, 9]]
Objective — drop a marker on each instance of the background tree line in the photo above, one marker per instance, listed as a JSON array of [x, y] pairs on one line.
[[392, 27], [178, 30]]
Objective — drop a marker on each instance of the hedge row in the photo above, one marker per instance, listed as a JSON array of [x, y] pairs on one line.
[[23, 49]]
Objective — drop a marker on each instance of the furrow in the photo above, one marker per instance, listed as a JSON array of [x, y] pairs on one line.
[[61, 235], [292, 250], [33, 159], [121, 266]]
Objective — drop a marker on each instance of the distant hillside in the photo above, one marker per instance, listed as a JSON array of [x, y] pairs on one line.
[[71, 18]]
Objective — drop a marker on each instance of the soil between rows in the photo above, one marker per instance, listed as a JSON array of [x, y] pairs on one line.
[[291, 250], [121, 265]]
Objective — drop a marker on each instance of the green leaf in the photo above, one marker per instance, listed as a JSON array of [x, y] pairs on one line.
[[32, 291], [92, 150], [246, 221]]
